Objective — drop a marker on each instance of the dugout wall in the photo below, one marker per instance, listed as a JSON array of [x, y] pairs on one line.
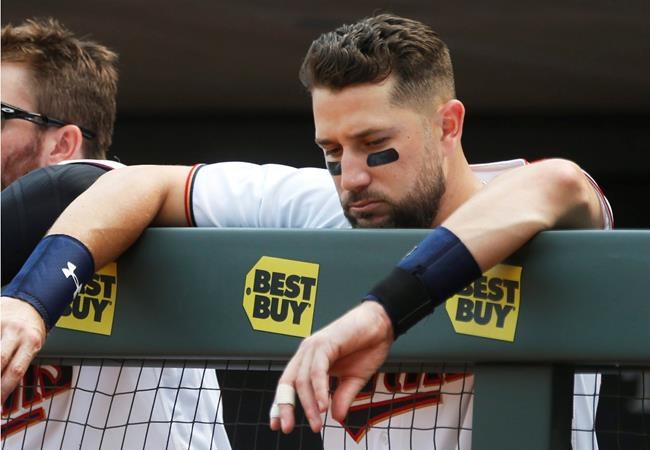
[[566, 300]]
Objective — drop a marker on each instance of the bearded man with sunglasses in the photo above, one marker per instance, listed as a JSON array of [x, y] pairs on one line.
[[58, 106], [58, 110], [58, 98]]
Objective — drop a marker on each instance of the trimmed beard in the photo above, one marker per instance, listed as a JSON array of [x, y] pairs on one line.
[[417, 210]]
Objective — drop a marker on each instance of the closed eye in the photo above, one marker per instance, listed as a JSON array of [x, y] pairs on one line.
[[377, 142], [333, 153]]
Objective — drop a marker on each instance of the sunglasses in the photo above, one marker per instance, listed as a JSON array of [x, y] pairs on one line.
[[12, 112]]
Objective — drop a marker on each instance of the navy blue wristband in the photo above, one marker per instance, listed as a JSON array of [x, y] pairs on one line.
[[52, 276], [433, 271]]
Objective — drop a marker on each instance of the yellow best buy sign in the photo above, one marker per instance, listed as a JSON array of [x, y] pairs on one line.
[[93, 309], [280, 294], [489, 307]]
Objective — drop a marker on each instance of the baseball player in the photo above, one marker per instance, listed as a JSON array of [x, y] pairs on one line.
[[383, 96], [393, 164]]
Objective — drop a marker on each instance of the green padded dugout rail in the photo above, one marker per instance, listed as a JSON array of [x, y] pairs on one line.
[[584, 297], [567, 298]]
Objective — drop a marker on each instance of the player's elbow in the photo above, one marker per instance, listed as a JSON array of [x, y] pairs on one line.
[[570, 194], [565, 177]]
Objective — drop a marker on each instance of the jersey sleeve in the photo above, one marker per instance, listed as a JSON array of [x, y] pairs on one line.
[[238, 194], [31, 204]]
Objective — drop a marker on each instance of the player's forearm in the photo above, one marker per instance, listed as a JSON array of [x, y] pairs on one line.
[[114, 212], [516, 206], [486, 229]]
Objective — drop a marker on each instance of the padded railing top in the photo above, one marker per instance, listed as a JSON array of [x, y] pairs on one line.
[[579, 297]]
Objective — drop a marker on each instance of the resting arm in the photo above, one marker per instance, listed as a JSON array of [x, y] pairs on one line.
[[514, 207], [108, 217], [111, 216], [121, 205], [493, 224]]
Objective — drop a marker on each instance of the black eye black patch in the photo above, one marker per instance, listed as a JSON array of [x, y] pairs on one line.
[[334, 167], [374, 159], [383, 157]]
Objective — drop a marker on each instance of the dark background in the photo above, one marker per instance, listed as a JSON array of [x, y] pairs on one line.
[[207, 81]]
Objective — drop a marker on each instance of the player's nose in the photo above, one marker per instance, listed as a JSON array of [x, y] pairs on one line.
[[355, 173]]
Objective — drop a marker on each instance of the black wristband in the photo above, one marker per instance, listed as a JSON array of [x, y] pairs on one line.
[[392, 293], [429, 274]]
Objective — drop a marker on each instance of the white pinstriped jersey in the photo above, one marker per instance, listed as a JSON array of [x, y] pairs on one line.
[[403, 409]]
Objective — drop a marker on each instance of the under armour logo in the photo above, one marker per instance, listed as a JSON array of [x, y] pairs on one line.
[[69, 272]]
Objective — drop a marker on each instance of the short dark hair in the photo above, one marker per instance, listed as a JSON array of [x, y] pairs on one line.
[[74, 80], [374, 48]]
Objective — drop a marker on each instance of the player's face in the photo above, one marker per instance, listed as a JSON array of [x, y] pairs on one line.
[[360, 120], [22, 149]]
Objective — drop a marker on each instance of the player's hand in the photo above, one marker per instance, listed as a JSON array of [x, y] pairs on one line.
[[351, 348], [22, 333]]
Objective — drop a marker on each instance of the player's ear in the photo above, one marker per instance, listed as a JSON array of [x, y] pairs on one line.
[[63, 143], [452, 115]]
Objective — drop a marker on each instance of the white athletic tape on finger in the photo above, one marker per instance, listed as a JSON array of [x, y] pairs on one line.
[[285, 395], [275, 411]]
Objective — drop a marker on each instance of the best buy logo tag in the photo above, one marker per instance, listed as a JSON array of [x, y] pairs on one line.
[[93, 309], [489, 307], [280, 295]]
